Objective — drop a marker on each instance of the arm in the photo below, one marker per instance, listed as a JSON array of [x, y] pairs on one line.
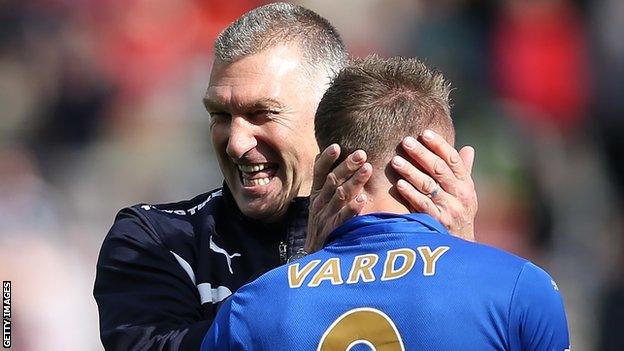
[[145, 300], [537, 315]]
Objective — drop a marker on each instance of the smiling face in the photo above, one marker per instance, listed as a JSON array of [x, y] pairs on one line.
[[262, 128]]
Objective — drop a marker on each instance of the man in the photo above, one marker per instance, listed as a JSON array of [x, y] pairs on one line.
[[164, 270], [390, 279]]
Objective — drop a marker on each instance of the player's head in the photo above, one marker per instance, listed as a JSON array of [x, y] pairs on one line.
[[271, 69], [374, 103]]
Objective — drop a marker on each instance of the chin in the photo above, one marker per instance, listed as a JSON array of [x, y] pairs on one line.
[[261, 214], [268, 208]]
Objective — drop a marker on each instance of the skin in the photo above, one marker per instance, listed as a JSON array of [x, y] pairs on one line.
[[455, 204], [379, 190], [338, 193], [262, 113]]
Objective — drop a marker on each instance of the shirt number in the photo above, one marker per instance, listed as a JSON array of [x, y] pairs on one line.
[[366, 326]]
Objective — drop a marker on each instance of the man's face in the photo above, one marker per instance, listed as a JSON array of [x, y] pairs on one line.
[[262, 127]]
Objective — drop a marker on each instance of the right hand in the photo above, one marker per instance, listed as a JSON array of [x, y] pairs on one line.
[[336, 194]]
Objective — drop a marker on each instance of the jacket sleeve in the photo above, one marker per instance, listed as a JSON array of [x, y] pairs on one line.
[[537, 315], [146, 301]]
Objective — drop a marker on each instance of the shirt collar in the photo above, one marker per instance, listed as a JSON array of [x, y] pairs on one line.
[[383, 222]]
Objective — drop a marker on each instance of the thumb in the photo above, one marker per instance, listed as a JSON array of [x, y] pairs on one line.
[[467, 154]]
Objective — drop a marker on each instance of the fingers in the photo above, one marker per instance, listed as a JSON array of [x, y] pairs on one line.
[[346, 192], [334, 208], [321, 224], [423, 185], [351, 209], [348, 167], [431, 163], [421, 181], [467, 154], [340, 174], [418, 201], [442, 207], [446, 152], [455, 204], [323, 165]]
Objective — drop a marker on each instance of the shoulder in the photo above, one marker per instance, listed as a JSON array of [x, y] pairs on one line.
[[199, 205], [519, 278], [487, 258], [529, 298], [166, 223], [537, 313], [535, 288], [161, 229], [180, 213]]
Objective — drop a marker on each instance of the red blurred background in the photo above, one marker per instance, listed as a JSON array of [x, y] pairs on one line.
[[100, 104]]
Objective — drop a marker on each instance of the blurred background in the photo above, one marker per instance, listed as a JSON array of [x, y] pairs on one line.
[[100, 108]]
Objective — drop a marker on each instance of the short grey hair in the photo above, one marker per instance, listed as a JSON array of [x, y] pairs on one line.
[[279, 23]]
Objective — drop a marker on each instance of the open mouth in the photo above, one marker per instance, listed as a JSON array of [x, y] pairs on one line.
[[257, 174]]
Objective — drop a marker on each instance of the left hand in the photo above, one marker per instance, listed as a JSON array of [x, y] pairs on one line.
[[446, 191]]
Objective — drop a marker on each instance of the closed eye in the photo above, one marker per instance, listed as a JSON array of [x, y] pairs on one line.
[[214, 114], [218, 117], [265, 113]]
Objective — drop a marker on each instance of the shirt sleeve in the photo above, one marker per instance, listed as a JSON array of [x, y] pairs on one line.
[[145, 300], [537, 315], [229, 331], [218, 336]]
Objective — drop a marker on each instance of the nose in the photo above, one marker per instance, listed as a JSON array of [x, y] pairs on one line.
[[241, 138]]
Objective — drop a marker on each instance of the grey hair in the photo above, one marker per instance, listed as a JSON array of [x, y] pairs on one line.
[[280, 23]]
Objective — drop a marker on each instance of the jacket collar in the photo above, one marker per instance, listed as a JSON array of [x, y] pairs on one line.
[[292, 229], [382, 222]]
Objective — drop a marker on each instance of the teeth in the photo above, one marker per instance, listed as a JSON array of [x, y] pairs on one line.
[[259, 181], [253, 168]]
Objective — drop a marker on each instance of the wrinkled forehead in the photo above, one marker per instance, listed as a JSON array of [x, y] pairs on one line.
[[273, 74]]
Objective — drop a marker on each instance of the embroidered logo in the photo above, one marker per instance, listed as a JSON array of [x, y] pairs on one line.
[[220, 250]]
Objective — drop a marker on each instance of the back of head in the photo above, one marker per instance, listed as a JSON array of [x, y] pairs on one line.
[[281, 23], [374, 103]]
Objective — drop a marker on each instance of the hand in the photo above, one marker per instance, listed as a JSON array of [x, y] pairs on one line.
[[446, 191], [336, 194]]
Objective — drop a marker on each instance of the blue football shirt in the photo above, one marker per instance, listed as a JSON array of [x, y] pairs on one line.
[[396, 282]]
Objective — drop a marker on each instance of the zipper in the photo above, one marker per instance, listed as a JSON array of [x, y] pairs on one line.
[[283, 251]]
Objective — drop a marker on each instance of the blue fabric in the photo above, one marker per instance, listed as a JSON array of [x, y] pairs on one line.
[[479, 298]]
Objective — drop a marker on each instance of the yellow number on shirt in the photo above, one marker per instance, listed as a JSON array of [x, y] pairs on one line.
[[362, 326]]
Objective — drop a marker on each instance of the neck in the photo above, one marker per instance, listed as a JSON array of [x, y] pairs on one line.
[[377, 204], [383, 197]]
